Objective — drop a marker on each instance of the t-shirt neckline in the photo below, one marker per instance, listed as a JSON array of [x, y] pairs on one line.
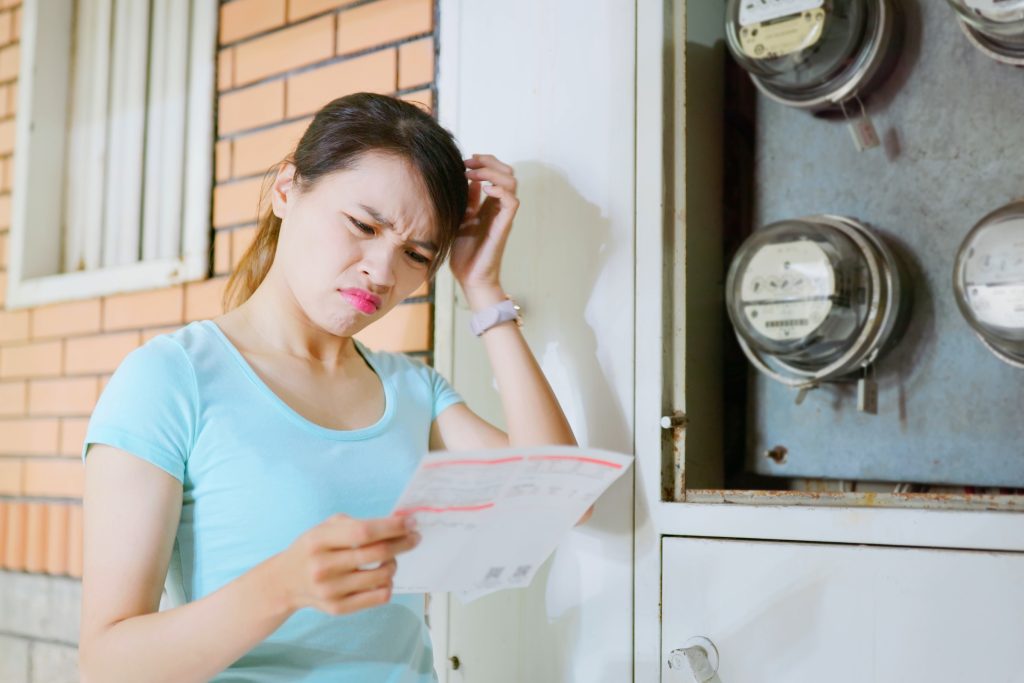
[[293, 415]]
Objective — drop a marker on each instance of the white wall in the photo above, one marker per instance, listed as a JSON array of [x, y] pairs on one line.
[[549, 88]]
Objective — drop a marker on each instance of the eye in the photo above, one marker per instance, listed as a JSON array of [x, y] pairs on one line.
[[362, 227], [418, 257]]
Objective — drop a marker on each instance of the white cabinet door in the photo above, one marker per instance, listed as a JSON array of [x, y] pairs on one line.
[[808, 612]]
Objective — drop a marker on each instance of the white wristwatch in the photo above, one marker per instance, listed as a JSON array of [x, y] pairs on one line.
[[486, 318]]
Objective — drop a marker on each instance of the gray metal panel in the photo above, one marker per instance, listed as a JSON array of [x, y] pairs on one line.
[[952, 125]]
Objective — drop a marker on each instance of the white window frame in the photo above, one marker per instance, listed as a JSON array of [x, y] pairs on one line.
[[35, 259]]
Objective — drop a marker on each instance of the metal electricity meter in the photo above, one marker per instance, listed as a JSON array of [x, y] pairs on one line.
[[996, 27], [988, 280], [815, 299], [813, 54]]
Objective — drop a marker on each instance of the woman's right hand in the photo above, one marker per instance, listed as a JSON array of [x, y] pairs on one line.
[[321, 568]]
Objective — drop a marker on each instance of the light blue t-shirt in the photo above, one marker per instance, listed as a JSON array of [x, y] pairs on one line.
[[256, 474]]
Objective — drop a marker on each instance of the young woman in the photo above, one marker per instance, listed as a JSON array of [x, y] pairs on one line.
[[253, 459]]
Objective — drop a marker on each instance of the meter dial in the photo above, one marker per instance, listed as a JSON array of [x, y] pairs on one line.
[[996, 27], [814, 299], [813, 54], [989, 281]]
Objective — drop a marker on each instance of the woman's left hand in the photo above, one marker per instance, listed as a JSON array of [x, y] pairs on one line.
[[477, 251]]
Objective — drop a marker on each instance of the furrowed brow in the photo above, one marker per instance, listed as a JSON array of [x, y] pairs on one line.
[[375, 215]]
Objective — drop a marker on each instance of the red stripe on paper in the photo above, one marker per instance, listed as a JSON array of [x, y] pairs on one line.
[[595, 461]]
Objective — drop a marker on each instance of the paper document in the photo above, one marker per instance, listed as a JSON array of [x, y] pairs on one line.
[[490, 518]]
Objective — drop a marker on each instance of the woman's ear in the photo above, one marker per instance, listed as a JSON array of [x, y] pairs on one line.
[[281, 191]]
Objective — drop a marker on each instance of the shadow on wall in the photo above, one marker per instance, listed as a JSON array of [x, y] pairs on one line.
[[580, 276]]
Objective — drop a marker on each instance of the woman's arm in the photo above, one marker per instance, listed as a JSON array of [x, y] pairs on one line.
[[131, 515], [532, 413]]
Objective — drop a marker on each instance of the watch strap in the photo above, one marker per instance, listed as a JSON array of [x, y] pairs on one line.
[[498, 313]]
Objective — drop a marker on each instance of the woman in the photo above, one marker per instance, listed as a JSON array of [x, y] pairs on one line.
[[253, 459]]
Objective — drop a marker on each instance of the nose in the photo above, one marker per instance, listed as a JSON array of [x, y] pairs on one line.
[[378, 265]]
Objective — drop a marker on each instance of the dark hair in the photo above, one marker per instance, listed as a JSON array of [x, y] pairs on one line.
[[340, 133]]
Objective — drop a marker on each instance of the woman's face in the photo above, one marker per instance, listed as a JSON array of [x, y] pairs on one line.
[[357, 243]]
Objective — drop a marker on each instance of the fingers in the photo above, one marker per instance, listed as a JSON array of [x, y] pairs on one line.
[[359, 581], [499, 178], [487, 161], [342, 532], [508, 199], [358, 601]]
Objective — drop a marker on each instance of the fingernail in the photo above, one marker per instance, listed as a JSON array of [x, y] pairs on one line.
[[410, 522]]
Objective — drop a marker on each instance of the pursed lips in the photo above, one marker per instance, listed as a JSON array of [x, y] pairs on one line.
[[361, 299]]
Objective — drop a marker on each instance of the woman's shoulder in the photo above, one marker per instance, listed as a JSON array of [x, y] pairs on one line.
[[164, 357]]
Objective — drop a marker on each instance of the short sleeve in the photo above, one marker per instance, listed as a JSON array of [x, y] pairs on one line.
[[442, 393], [149, 407]]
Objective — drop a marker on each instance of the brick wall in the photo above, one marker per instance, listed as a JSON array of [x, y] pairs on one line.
[[278, 61]]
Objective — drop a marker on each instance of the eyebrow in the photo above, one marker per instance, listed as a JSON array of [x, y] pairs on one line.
[[375, 215]]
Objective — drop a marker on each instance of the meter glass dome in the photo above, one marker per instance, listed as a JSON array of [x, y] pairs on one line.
[[814, 54], [994, 26], [814, 298], [989, 281]]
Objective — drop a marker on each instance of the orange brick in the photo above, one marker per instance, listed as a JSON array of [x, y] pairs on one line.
[[203, 299], [383, 22], [300, 9], [7, 129], [75, 539], [309, 91], [222, 159], [3, 289], [281, 51], [257, 152], [54, 478], [12, 98], [222, 251], [416, 63], [6, 28], [244, 18], [251, 107], [13, 326], [103, 382], [13, 398], [10, 477], [236, 202], [64, 319], [56, 539], [14, 548], [101, 353], [28, 437], [16, 24], [35, 537], [241, 239], [143, 309], [39, 359], [147, 334], [422, 97], [225, 68], [406, 328], [10, 60], [4, 243], [62, 396], [72, 434]]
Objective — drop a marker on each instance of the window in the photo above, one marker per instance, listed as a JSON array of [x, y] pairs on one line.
[[114, 147]]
